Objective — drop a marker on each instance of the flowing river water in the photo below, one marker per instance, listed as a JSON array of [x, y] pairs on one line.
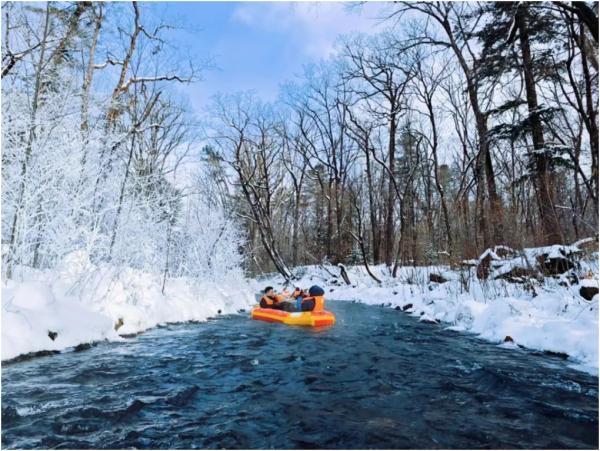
[[377, 379]]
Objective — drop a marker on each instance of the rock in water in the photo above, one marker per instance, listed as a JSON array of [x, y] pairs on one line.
[[562, 355], [508, 339]]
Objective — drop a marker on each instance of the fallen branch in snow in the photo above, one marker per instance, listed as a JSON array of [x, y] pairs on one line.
[[344, 274]]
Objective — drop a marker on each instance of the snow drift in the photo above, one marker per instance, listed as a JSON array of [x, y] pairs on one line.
[[79, 302]]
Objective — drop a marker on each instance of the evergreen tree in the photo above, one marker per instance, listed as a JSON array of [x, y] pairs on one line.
[[515, 39]]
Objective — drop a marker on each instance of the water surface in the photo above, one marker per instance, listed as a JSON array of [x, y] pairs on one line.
[[377, 379]]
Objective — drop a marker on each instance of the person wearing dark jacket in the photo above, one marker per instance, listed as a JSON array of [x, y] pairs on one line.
[[271, 300], [298, 295], [315, 301]]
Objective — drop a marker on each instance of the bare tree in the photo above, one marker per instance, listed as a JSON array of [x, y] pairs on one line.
[[385, 81], [451, 19], [246, 139], [427, 83]]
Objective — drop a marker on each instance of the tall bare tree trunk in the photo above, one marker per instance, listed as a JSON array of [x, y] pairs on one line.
[[591, 111], [329, 238], [496, 207], [113, 235], [481, 223], [436, 171], [375, 234], [544, 177], [391, 191]]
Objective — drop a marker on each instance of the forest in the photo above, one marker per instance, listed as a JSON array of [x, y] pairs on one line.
[[459, 127], [299, 225]]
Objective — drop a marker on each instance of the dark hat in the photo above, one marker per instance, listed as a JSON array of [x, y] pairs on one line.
[[316, 290]]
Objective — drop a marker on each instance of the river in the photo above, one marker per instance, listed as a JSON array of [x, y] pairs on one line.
[[377, 379]]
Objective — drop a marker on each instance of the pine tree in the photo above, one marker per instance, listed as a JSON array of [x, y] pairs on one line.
[[515, 39]]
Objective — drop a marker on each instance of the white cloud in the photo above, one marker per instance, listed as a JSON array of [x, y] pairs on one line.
[[316, 25]]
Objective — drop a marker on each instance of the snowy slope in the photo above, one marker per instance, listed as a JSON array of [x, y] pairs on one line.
[[83, 303], [548, 317]]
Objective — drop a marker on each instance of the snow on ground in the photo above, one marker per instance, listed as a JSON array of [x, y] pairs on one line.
[[542, 315], [83, 303]]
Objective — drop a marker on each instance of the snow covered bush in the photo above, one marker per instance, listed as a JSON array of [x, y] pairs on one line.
[[89, 249], [101, 224]]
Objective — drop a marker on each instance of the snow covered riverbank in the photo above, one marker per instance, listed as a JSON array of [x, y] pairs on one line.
[[547, 314], [81, 303]]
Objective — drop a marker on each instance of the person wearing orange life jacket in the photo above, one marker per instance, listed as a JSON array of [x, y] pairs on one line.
[[271, 300], [297, 296], [315, 301], [290, 303]]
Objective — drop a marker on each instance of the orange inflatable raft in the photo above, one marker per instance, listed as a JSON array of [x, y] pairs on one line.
[[310, 319]]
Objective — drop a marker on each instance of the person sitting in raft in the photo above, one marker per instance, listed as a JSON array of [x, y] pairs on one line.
[[297, 297], [315, 301], [271, 300]]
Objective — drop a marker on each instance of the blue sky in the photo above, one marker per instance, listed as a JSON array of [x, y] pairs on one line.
[[259, 45]]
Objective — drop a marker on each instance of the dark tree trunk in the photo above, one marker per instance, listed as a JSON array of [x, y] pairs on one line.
[[592, 116], [376, 245], [296, 225], [544, 178], [496, 207], [436, 169], [391, 192]]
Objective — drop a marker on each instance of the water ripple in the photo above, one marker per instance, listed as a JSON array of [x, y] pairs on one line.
[[378, 379]]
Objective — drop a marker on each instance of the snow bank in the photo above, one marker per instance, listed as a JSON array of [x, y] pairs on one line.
[[80, 303], [32, 314], [548, 314]]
